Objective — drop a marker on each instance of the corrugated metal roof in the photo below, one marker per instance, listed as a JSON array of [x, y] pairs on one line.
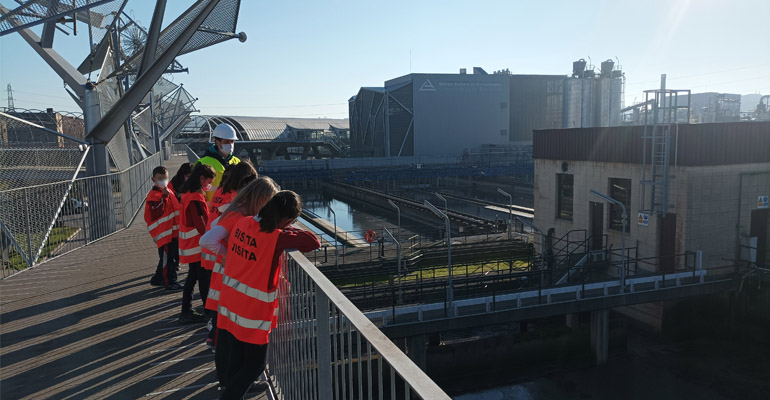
[[281, 129]]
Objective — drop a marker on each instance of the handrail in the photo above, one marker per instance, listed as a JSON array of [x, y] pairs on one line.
[[301, 350]]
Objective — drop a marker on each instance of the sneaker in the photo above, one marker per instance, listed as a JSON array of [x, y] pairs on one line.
[[174, 287], [200, 310], [210, 344], [190, 317], [210, 324]]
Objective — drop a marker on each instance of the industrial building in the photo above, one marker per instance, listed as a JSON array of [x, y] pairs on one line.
[[703, 108], [445, 114], [268, 138], [716, 194], [22, 136]]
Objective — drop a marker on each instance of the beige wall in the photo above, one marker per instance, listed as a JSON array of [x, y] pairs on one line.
[[705, 199]]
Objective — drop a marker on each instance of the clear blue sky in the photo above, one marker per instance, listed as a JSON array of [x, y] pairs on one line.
[[307, 58]]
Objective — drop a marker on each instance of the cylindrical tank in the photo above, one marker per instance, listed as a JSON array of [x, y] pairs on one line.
[[578, 67], [607, 67]]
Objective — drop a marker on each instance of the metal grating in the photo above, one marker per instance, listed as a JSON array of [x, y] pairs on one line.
[[36, 12]]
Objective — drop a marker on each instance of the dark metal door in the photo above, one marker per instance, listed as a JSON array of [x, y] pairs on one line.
[[759, 225], [667, 241], [596, 216]]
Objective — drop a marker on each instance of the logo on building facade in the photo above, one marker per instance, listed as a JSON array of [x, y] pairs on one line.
[[643, 219], [427, 86], [762, 202]]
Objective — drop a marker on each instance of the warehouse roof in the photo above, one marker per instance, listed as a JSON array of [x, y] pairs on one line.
[[276, 128]]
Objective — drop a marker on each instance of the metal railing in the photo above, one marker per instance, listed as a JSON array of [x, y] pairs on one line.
[[40, 222], [325, 348]]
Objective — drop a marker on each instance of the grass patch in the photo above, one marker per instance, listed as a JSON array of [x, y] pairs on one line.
[[438, 272], [58, 236]]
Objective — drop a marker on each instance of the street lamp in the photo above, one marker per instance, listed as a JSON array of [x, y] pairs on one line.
[[510, 210], [440, 197], [398, 210], [336, 258], [398, 246], [622, 236], [450, 288]]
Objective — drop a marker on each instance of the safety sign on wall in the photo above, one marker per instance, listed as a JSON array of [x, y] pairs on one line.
[[762, 202], [643, 219]]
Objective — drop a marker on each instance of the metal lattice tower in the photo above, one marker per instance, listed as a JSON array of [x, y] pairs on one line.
[[664, 110], [11, 106]]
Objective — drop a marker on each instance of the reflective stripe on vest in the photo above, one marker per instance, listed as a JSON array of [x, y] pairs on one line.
[[162, 220], [189, 252], [267, 297], [189, 234], [213, 294], [223, 208], [162, 235], [218, 268], [209, 256], [244, 322]]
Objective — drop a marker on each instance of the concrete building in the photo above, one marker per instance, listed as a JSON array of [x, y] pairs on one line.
[[17, 135], [718, 188], [445, 114]]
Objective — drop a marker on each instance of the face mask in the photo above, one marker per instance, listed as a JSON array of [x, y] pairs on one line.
[[207, 188], [162, 183], [228, 148]]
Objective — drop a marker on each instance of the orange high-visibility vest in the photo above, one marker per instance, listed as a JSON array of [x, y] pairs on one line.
[[189, 246], [165, 228], [249, 290], [212, 300], [217, 205]]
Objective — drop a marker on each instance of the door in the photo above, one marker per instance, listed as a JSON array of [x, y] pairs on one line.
[[596, 218], [759, 227], [667, 241]]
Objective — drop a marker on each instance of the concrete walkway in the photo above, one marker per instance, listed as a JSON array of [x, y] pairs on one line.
[[89, 325]]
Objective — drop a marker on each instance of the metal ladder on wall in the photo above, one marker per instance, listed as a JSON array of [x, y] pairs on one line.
[[663, 112]]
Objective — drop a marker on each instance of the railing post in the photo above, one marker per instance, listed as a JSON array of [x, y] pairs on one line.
[[324, 345], [27, 226]]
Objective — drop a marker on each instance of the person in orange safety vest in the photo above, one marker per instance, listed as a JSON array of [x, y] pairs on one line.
[[161, 212], [249, 291], [193, 219], [248, 202]]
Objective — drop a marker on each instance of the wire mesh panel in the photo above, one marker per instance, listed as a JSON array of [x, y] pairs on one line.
[[41, 222], [324, 347], [38, 11]]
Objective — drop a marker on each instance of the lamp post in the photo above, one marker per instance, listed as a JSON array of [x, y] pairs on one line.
[[398, 210], [450, 288], [622, 236], [440, 197], [398, 246], [336, 258], [510, 210]]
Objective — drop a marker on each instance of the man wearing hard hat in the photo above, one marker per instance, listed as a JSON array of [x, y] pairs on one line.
[[220, 154]]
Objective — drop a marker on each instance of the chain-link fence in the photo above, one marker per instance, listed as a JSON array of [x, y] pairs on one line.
[[45, 221]]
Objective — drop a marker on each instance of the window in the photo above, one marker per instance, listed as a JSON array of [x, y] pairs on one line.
[[620, 190], [564, 185]]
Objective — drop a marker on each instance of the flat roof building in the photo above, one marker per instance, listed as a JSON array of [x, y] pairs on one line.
[[445, 114], [717, 192]]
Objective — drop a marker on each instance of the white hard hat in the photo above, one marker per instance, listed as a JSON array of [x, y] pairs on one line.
[[224, 131]]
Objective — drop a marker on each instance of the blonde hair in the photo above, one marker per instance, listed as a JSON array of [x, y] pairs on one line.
[[252, 197]]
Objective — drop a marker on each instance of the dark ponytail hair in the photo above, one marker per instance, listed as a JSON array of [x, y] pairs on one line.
[[236, 174], [178, 180], [284, 205], [193, 184]]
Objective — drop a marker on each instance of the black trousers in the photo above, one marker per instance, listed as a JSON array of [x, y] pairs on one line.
[[245, 362], [165, 273], [194, 274]]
